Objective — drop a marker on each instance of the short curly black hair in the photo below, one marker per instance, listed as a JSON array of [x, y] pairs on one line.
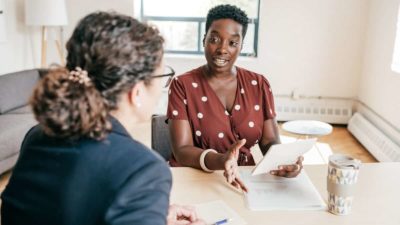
[[227, 12]]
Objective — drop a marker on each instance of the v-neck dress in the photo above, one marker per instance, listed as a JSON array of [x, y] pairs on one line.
[[191, 98]]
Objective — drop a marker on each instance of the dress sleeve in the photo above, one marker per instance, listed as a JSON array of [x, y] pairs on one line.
[[268, 100], [177, 101], [143, 198]]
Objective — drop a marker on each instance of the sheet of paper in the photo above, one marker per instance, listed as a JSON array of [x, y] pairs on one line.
[[215, 211], [268, 192], [283, 154]]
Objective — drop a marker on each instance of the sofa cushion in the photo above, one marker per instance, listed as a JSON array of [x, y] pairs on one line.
[[21, 110], [13, 130], [16, 88]]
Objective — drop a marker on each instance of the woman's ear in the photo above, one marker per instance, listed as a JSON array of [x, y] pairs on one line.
[[134, 95], [204, 40]]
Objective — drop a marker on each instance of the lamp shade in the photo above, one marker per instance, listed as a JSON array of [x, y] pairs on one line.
[[45, 13]]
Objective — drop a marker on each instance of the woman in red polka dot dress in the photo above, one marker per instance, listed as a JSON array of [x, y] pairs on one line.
[[218, 111]]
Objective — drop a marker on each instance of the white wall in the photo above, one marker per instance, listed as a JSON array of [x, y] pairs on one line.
[[312, 46], [19, 50], [22, 48], [77, 9], [379, 85]]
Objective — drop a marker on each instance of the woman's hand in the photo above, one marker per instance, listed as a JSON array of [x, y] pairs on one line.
[[231, 172], [182, 215], [289, 170]]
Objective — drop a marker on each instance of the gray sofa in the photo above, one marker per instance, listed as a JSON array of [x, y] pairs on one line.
[[15, 113]]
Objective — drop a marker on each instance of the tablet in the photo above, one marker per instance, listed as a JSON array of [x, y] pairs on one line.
[[283, 154]]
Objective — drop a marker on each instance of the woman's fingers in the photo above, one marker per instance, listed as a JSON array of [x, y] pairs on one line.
[[241, 184], [288, 170], [229, 177], [300, 160], [232, 177], [186, 212], [237, 145], [231, 168]]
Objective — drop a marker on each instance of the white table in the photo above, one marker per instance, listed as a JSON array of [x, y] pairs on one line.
[[376, 201]]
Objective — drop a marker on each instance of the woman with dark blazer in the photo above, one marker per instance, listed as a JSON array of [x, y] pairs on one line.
[[80, 164]]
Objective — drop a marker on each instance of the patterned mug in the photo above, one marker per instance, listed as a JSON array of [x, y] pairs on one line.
[[342, 177]]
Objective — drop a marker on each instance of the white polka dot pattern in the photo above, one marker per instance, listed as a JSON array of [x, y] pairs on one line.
[[250, 87]]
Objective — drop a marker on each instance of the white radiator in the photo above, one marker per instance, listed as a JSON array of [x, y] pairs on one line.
[[373, 139], [335, 111]]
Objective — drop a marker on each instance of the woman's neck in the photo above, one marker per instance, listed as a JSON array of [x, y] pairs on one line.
[[228, 74], [126, 118]]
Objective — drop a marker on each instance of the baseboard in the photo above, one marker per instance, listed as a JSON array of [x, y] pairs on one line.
[[373, 133], [336, 111]]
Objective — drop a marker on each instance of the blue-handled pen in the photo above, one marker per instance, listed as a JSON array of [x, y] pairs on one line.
[[219, 222]]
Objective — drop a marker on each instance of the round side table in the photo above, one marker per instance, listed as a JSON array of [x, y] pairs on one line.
[[307, 128]]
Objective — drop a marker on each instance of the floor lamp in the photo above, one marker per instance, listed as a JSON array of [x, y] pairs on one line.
[[47, 13]]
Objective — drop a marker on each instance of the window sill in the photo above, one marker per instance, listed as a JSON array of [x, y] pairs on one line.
[[201, 57], [183, 56]]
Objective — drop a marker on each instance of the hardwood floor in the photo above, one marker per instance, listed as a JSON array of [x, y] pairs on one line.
[[340, 141]]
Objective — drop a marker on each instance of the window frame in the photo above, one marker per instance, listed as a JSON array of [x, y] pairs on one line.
[[396, 48], [199, 21]]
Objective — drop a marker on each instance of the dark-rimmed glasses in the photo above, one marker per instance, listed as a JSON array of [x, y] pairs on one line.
[[170, 75]]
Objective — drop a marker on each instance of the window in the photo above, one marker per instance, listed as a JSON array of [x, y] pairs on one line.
[[182, 22], [396, 53]]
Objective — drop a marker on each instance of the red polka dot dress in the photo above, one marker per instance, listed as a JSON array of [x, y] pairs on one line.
[[191, 98]]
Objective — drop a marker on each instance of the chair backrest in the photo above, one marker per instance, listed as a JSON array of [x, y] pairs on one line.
[[160, 137]]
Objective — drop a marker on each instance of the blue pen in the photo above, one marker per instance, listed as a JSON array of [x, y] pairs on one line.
[[219, 222]]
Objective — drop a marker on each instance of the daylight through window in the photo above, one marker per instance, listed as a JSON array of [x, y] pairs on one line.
[[182, 22]]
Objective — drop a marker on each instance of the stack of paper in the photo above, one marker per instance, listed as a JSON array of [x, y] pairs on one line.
[[268, 192], [211, 212]]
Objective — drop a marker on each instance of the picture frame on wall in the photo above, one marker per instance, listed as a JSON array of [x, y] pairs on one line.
[[3, 33]]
